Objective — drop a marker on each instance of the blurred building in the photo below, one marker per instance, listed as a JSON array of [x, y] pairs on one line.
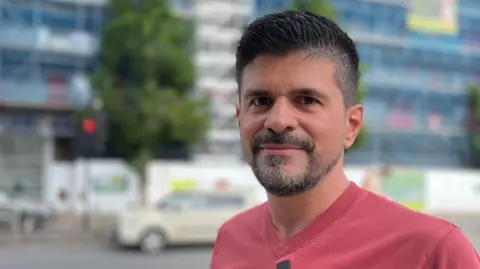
[[47, 50], [47, 47], [219, 25], [419, 59]]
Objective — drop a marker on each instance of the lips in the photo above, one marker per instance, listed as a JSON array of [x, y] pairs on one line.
[[269, 140], [279, 149]]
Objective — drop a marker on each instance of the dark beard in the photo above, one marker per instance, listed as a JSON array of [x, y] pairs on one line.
[[277, 182]]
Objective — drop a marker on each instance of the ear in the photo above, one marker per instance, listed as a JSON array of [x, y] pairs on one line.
[[237, 112], [353, 124]]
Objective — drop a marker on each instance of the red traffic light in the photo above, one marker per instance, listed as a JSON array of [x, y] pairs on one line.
[[89, 126]]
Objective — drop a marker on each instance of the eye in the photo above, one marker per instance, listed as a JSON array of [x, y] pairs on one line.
[[307, 100], [261, 101]]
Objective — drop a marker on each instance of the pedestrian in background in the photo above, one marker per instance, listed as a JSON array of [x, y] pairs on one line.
[[373, 181]]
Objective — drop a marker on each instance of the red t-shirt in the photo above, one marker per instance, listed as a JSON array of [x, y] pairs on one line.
[[359, 231]]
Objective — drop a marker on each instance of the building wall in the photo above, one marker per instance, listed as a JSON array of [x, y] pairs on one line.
[[219, 25], [23, 156], [51, 47], [46, 49], [416, 81]]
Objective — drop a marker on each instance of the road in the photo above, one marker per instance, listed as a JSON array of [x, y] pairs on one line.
[[100, 257], [97, 257]]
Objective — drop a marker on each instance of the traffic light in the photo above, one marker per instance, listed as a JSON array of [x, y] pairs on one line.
[[89, 126], [91, 135]]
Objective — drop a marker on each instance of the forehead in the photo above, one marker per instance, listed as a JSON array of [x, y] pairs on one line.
[[287, 72]]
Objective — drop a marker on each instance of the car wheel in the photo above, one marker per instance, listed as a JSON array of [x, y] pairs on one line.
[[153, 242]]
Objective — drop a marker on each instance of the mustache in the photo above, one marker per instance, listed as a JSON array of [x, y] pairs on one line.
[[285, 138]]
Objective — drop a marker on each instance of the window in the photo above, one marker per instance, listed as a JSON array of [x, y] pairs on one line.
[[193, 201], [59, 15], [182, 4], [225, 201], [175, 199]]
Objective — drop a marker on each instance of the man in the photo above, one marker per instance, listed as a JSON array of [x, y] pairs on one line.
[[298, 79]]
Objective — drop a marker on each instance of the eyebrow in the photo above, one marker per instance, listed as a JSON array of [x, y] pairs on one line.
[[256, 93], [299, 91], [311, 92]]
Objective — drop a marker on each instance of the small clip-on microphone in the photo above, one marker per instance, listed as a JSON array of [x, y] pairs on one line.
[[283, 264]]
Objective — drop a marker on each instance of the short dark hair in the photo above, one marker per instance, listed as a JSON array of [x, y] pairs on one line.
[[287, 31]]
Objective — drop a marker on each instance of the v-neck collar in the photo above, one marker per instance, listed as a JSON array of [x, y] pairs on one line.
[[298, 240]]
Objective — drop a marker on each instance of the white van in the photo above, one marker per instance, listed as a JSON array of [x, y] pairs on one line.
[[190, 217]]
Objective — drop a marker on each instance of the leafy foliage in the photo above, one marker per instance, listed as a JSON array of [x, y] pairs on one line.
[[474, 106], [145, 79]]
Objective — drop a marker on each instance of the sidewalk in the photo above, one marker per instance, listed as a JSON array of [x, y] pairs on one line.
[[66, 229], [48, 238]]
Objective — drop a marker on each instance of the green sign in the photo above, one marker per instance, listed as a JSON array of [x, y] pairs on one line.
[[113, 184], [183, 184], [477, 189], [406, 187]]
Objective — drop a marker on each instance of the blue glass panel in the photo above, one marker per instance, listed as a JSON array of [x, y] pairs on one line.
[[58, 22], [413, 75]]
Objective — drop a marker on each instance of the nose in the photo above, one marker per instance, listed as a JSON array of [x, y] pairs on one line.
[[281, 117]]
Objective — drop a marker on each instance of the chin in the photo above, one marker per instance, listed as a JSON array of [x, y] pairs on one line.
[[285, 170], [293, 171]]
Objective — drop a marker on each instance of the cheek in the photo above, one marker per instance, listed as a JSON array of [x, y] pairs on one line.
[[327, 133], [249, 127]]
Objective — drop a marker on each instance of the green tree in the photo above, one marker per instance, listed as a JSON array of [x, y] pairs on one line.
[[145, 79], [324, 8], [474, 115]]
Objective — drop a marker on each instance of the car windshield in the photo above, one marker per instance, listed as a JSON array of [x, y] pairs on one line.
[[176, 199]]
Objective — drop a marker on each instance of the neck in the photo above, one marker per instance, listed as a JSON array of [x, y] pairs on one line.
[[290, 215]]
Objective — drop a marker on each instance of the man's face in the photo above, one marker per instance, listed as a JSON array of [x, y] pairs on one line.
[[293, 123]]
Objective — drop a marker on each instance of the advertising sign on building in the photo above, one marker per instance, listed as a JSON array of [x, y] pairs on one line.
[[432, 16]]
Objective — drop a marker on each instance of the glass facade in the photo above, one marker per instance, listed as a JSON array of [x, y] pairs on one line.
[[46, 50], [416, 101]]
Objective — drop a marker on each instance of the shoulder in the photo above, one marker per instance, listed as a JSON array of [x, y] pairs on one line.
[[402, 222], [453, 251], [238, 234], [439, 241], [400, 217], [246, 222]]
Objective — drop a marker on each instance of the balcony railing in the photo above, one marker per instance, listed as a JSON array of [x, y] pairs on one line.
[[224, 59], [83, 2], [217, 84], [43, 39], [72, 92], [219, 8], [413, 43]]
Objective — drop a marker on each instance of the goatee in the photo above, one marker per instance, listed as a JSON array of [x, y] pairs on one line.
[[273, 177]]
